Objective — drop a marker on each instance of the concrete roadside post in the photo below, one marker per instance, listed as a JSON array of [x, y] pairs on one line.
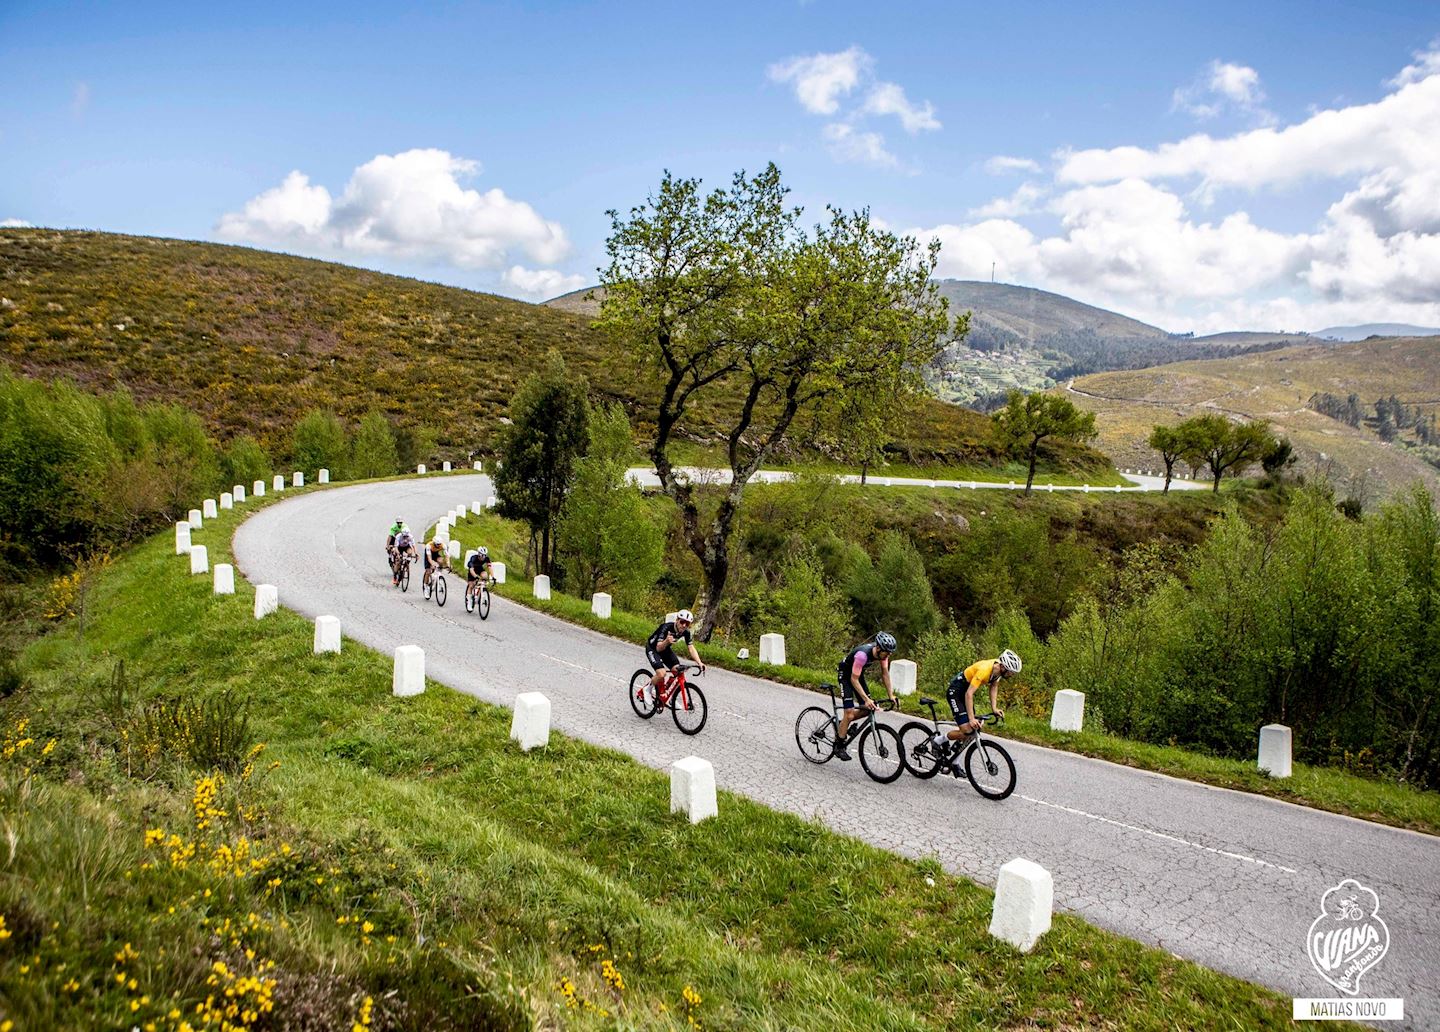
[[530, 724], [600, 605], [1276, 741], [327, 634], [1024, 899], [199, 559], [209, 508], [772, 649], [1068, 710], [409, 677], [267, 600], [182, 538], [542, 586], [227, 500], [224, 583], [692, 789], [904, 676]]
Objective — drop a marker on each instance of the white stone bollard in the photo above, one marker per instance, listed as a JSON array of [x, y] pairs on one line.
[[1068, 711], [743, 654], [199, 559], [224, 579], [692, 788], [420, 469], [238, 491], [327, 634], [1024, 898], [542, 586], [475, 508], [530, 725], [497, 570], [772, 649], [1275, 746], [904, 676], [469, 552], [227, 500], [182, 538], [490, 502], [195, 520], [600, 605], [409, 676], [453, 549], [324, 476], [267, 600], [478, 464], [445, 467], [297, 479], [669, 617], [278, 483], [209, 509], [258, 489]]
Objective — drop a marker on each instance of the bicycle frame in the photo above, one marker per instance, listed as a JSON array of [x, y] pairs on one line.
[[837, 713], [673, 682]]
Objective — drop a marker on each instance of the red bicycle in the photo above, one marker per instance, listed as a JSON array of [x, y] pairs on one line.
[[685, 701]]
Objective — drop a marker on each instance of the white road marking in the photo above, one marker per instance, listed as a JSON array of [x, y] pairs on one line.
[[1162, 835]]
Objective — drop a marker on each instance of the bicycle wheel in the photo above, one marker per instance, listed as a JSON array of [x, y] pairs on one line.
[[917, 751], [990, 769], [815, 732], [642, 694], [689, 710], [405, 577], [439, 591], [880, 753], [482, 603]]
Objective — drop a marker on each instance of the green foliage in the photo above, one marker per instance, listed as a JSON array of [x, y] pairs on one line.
[[894, 593], [1221, 446], [373, 452], [1027, 420], [204, 734], [809, 612], [319, 442], [606, 537], [245, 462], [546, 438], [940, 655]]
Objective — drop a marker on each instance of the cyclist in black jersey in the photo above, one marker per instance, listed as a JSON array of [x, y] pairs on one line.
[[854, 691], [659, 650]]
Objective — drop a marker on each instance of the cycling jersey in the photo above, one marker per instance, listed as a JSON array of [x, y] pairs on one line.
[[665, 657], [667, 630], [979, 673], [856, 663], [404, 540], [477, 566]]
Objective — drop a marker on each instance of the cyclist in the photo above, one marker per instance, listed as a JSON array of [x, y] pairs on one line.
[[853, 687], [390, 538], [659, 650], [987, 672], [435, 559], [404, 546], [477, 570]]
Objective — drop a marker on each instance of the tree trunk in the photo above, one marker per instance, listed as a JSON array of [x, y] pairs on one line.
[[545, 549], [1218, 473], [864, 471], [1030, 478], [1169, 472]]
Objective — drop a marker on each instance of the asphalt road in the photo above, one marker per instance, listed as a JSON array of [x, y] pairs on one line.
[[1227, 879], [647, 477]]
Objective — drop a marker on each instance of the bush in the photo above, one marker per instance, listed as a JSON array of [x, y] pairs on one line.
[[245, 462], [894, 594], [373, 451], [213, 734], [809, 612], [319, 443]]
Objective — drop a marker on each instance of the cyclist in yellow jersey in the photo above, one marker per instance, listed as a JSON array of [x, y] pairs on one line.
[[987, 672]]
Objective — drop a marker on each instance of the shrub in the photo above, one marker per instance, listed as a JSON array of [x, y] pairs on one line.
[[893, 594], [211, 734]]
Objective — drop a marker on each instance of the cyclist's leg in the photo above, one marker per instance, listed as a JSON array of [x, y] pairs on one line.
[[849, 712], [657, 663]]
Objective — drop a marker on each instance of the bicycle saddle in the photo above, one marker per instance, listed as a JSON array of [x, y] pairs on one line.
[[927, 701]]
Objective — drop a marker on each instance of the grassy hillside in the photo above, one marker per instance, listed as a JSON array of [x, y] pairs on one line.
[[250, 339], [1277, 385], [388, 863]]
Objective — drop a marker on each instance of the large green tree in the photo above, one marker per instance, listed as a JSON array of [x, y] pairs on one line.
[[373, 452], [319, 442], [1172, 445], [1222, 446], [1029, 419], [725, 298], [539, 449]]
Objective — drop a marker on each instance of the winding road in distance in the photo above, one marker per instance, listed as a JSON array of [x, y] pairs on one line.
[[1227, 879]]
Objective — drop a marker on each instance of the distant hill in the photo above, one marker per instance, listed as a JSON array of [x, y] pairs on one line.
[[250, 339], [1387, 329], [1278, 386]]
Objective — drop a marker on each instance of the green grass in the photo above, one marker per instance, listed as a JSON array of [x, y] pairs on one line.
[[477, 885], [1324, 788]]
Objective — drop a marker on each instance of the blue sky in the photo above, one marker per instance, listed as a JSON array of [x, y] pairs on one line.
[[184, 121]]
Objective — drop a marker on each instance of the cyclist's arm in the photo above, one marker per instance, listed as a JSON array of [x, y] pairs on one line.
[[994, 701], [885, 676], [970, 705], [695, 655], [859, 688]]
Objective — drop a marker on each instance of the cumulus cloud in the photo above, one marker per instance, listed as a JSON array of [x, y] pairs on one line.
[[410, 206], [848, 144], [15, 224], [1223, 86], [541, 283], [1126, 236], [1004, 165], [820, 80], [1426, 64]]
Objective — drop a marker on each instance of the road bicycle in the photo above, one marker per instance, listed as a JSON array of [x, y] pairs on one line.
[[685, 701], [985, 764], [817, 734], [435, 586], [477, 596], [400, 571]]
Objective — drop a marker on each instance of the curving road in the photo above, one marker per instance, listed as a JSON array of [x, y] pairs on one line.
[[1224, 878], [647, 477]]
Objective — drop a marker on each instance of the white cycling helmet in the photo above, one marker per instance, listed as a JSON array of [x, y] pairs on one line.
[[1010, 661], [885, 641], [685, 615]]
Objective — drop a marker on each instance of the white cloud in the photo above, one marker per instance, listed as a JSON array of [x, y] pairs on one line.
[[1025, 200], [541, 283], [848, 144], [886, 98], [1222, 85], [820, 80], [1426, 64], [409, 206], [1004, 165], [15, 224]]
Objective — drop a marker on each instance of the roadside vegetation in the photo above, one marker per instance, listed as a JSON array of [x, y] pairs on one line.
[[296, 848]]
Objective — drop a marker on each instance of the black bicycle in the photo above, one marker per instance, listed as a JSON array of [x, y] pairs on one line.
[[984, 763], [817, 733], [400, 571], [477, 600]]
